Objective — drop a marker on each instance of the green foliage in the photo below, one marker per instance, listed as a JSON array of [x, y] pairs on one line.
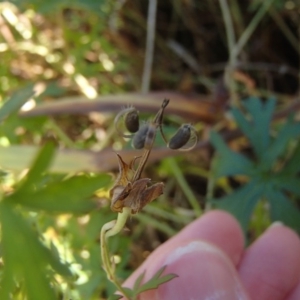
[[54, 196], [15, 102], [50, 6], [26, 258], [151, 284], [272, 175]]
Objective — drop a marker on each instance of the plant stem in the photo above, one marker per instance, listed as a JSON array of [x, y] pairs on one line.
[[251, 27], [151, 20], [160, 225], [235, 48], [184, 185], [109, 229], [228, 76]]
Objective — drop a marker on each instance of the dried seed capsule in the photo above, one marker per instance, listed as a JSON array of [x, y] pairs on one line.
[[150, 137], [181, 137], [127, 120], [184, 139], [132, 121], [139, 138]]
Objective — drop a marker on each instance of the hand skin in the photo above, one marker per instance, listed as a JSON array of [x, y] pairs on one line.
[[211, 263]]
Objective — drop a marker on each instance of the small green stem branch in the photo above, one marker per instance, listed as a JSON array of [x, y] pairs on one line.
[[173, 166], [228, 76], [109, 229], [234, 47]]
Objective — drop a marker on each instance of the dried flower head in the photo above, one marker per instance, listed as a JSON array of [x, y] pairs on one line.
[[128, 192], [129, 189]]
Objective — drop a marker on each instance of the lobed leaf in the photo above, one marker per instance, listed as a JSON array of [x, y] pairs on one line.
[[25, 257], [256, 129], [228, 162], [39, 166], [242, 202], [292, 166], [278, 145], [287, 183], [65, 196], [282, 209]]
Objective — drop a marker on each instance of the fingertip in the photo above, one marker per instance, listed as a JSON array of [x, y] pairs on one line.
[[219, 228], [270, 268], [204, 272]]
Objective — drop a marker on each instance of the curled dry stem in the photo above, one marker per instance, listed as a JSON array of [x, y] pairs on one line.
[[109, 229]]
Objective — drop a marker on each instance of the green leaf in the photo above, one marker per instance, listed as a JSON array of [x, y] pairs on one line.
[[15, 102], [228, 162], [242, 202], [257, 130], [287, 183], [278, 146], [25, 258], [155, 281], [293, 165], [283, 210], [139, 280], [69, 195], [40, 165]]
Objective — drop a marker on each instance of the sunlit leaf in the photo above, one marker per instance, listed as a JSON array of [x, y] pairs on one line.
[[40, 165], [25, 258], [69, 195], [15, 102]]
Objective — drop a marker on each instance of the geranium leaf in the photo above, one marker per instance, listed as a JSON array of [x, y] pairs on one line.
[[228, 162], [277, 147], [241, 203], [56, 197], [257, 128], [282, 209], [292, 166], [25, 257], [39, 166]]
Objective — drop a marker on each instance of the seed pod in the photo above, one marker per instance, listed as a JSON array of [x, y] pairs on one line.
[[132, 121], [181, 137], [139, 138], [127, 120]]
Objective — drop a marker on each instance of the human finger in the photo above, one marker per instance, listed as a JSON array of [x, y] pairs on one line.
[[270, 268], [214, 230]]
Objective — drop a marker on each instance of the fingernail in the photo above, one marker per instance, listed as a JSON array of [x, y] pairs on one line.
[[276, 224], [204, 272]]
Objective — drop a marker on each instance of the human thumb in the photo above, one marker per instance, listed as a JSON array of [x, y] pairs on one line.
[[204, 272]]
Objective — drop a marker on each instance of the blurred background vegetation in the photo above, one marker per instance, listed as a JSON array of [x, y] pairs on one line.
[[85, 60]]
